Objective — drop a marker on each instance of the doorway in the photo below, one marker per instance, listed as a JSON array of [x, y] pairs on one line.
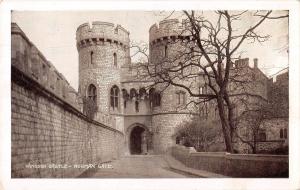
[[138, 141]]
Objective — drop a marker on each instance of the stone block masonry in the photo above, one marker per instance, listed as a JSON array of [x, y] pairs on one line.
[[50, 135], [51, 138]]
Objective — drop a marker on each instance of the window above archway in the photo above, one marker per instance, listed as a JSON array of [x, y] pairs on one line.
[[115, 59], [133, 93], [92, 56]]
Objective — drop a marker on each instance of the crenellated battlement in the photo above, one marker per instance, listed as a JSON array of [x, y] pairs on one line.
[[30, 61], [167, 29], [100, 32]]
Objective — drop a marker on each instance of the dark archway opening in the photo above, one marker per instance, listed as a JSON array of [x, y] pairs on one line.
[[136, 140]]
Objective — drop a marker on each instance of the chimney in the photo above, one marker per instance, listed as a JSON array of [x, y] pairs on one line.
[[255, 60]]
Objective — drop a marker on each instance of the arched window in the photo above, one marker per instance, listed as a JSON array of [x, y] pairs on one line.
[[125, 96], [92, 53], [142, 92], [114, 97], [92, 92], [133, 93], [154, 97], [115, 60]]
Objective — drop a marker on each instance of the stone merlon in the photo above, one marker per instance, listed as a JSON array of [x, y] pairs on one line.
[[167, 28], [102, 31]]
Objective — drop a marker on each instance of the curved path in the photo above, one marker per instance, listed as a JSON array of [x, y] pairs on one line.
[[136, 166]]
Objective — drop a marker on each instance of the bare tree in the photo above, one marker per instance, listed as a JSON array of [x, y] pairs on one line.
[[251, 132], [206, 49], [200, 133]]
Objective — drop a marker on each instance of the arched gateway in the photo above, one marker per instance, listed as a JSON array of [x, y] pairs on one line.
[[138, 139]]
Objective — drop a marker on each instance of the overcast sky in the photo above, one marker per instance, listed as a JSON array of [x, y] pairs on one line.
[[53, 33]]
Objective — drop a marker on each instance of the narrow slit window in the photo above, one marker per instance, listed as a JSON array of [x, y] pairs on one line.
[[166, 51], [92, 53], [181, 68], [115, 60]]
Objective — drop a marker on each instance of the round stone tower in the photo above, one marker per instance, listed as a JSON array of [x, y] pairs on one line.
[[165, 42], [103, 48]]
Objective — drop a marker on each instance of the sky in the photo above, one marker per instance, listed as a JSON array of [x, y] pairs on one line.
[[54, 34]]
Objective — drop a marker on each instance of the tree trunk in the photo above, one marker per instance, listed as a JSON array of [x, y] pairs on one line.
[[254, 143], [230, 114], [225, 126]]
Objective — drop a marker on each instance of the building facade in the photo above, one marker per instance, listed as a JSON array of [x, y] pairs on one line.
[[126, 99], [118, 93]]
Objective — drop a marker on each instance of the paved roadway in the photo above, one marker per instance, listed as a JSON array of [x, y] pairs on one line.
[[136, 166]]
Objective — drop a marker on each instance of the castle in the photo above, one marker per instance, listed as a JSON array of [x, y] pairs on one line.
[[147, 115], [122, 95], [119, 94]]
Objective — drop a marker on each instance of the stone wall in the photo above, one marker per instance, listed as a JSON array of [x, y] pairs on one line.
[[28, 59], [234, 165], [278, 95], [273, 127], [164, 128], [48, 128]]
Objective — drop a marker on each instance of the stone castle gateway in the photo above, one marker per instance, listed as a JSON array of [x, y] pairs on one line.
[[132, 116], [147, 116]]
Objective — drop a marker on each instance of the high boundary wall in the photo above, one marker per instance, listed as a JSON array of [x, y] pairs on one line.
[[233, 165], [50, 137]]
